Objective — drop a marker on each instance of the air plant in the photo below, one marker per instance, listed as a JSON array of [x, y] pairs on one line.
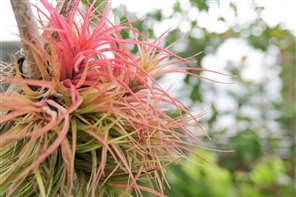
[[97, 123]]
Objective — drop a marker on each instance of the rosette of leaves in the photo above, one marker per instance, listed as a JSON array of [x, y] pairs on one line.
[[98, 123]]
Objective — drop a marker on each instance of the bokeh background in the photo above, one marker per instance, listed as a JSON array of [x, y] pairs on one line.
[[254, 116]]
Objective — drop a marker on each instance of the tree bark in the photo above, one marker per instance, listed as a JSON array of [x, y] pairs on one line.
[[28, 28]]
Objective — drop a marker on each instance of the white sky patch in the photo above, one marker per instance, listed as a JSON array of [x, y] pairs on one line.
[[196, 32], [227, 119], [167, 11], [245, 13], [185, 26], [215, 62], [7, 22], [143, 7], [210, 22], [163, 26], [277, 11], [193, 13], [227, 12], [233, 50]]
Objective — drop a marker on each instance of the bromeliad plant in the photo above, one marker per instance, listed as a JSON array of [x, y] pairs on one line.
[[98, 122]]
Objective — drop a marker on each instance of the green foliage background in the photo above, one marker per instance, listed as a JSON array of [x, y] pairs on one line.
[[263, 163]]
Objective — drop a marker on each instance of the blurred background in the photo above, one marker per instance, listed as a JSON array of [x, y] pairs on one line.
[[254, 116]]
